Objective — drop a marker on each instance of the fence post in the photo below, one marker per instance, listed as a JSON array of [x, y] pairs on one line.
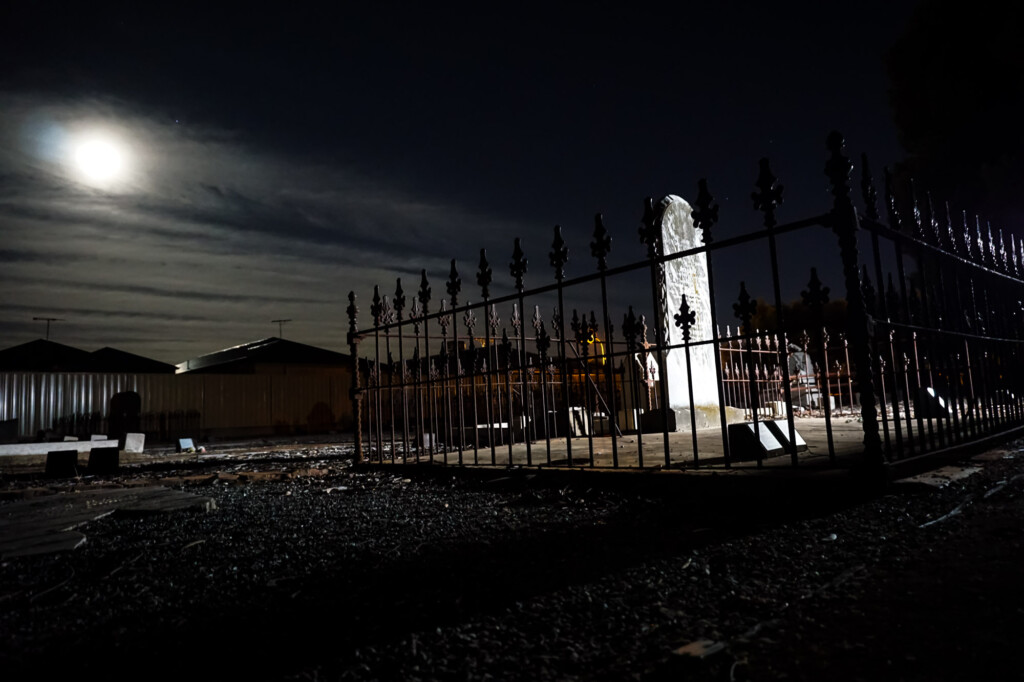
[[860, 327], [355, 393]]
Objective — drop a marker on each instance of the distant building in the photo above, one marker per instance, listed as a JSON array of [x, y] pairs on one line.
[[43, 355], [269, 356], [265, 387]]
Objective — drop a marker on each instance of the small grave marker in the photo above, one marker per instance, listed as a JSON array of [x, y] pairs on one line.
[[134, 442], [104, 460], [62, 463], [745, 443]]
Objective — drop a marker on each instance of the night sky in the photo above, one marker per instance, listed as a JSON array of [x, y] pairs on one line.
[[272, 161]]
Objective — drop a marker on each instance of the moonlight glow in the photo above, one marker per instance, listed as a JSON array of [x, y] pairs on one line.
[[99, 160]]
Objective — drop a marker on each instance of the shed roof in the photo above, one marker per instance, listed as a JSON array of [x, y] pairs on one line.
[[269, 350], [109, 359], [43, 355]]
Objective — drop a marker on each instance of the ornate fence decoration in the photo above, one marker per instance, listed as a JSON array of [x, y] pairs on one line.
[[924, 357]]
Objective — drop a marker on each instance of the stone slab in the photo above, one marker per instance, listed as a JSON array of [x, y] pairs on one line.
[[995, 455], [940, 478], [44, 448], [49, 523], [46, 543]]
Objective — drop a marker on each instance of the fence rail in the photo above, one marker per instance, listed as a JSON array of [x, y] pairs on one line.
[[929, 361]]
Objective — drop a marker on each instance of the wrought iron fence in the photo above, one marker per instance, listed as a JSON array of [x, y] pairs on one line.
[[930, 362], [946, 305]]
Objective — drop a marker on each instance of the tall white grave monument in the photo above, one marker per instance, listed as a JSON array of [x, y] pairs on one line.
[[687, 276]]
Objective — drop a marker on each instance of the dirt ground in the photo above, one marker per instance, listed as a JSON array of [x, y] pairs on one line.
[[312, 569]]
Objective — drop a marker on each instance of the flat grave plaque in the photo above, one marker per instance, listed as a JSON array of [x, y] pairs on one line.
[[745, 442], [781, 432]]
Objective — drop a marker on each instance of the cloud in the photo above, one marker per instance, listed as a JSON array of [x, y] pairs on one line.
[[204, 240]]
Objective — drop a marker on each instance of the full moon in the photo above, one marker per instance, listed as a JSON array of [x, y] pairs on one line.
[[100, 160]]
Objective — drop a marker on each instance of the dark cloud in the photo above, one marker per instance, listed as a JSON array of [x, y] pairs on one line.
[[87, 312], [177, 294]]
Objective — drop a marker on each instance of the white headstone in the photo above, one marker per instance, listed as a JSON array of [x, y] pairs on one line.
[[687, 276], [134, 442]]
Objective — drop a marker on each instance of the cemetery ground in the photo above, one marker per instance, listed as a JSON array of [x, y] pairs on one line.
[[293, 564]]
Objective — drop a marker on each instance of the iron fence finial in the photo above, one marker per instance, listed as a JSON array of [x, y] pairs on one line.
[[867, 187], [399, 298], [375, 306], [454, 285], [967, 237], [353, 313], [980, 241], [649, 230], [891, 209], [915, 213], [815, 295], [745, 307], [601, 244], [838, 168], [769, 194], [424, 293], [559, 254], [484, 275], [951, 239], [517, 267], [630, 330], [543, 342], [705, 211], [685, 318], [868, 291], [1014, 259]]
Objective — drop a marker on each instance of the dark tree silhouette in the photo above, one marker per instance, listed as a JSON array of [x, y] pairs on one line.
[[957, 88]]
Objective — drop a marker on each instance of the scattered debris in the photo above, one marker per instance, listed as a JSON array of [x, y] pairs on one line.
[[44, 524], [940, 478], [701, 648]]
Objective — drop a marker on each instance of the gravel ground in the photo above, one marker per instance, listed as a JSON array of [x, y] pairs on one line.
[[340, 573]]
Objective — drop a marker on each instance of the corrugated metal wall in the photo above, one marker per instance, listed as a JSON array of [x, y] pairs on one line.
[[197, 403]]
